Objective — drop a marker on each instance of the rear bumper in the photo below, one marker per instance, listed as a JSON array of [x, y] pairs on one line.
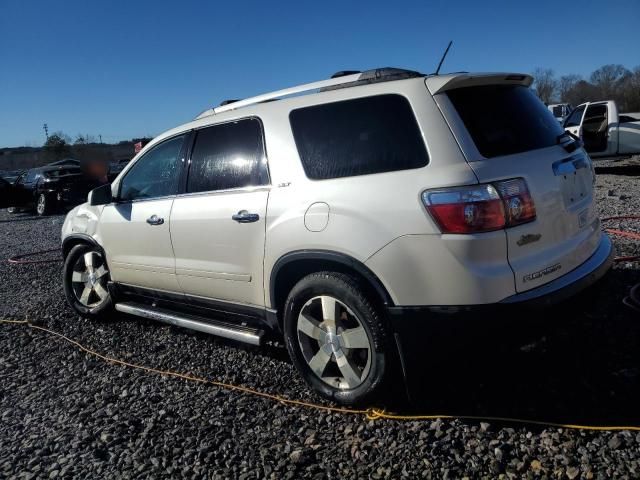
[[71, 197], [548, 294], [429, 339], [573, 282]]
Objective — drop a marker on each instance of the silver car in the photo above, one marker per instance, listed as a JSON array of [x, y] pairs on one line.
[[329, 212]]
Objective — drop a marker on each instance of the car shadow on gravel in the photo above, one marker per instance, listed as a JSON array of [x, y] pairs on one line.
[[578, 362], [627, 170], [22, 218]]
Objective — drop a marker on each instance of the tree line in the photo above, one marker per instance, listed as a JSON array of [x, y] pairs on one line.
[[609, 82], [60, 142]]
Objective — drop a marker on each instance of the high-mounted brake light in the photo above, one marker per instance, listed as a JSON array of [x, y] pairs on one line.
[[481, 208]]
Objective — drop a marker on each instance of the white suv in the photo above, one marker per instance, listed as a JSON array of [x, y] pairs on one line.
[[326, 215]]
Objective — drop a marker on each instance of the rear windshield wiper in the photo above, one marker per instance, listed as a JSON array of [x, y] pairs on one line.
[[571, 146]]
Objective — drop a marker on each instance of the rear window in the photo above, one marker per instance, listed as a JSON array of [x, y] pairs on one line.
[[358, 137], [505, 119], [32, 176]]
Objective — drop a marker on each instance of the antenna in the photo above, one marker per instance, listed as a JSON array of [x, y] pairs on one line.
[[443, 57]]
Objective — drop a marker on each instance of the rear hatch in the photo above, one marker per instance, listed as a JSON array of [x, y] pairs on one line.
[[506, 132], [72, 187]]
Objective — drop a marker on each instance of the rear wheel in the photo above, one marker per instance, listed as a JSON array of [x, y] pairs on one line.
[[85, 277], [336, 338]]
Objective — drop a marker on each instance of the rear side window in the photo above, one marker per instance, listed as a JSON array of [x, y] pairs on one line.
[[358, 137], [226, 156], [505, 119], [32, 176]]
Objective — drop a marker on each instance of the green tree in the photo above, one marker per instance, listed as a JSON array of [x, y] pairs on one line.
[[58, 144]]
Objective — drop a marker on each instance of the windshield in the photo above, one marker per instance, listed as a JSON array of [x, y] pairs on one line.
[[505, 119]]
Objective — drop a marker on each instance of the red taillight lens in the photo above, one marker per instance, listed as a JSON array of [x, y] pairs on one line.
[[481, 208], [473, 209]]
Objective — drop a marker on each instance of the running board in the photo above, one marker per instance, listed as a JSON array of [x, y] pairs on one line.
[[239, 333]]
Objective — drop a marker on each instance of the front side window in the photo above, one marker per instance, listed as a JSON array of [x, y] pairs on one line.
[[575, 118], [226, 156], [156, 174], [358, 137]]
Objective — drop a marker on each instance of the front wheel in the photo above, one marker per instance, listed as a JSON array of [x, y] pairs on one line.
[[44, 204], [337, 338], [85, 277]]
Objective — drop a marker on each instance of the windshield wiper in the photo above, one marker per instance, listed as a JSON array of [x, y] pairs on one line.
[[571, 146]]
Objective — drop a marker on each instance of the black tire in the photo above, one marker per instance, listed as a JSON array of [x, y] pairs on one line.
[[348, 292], [45, 204], [98, 303], [13, 210]]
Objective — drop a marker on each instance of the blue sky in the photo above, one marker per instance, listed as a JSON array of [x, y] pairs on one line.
[[131, 68]]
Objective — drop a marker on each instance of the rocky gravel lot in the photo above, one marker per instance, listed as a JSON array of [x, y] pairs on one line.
[[65, 414]]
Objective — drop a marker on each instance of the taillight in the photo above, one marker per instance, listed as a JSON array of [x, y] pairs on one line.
[[480, 208], [518, 204], [477, 208]]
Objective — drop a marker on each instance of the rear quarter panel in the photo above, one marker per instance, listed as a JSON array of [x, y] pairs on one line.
[[365, 212]]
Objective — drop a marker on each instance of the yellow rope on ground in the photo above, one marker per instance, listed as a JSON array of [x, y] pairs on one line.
[[369, 414]]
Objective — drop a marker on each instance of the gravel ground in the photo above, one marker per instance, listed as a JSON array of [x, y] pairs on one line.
[[64, 414]]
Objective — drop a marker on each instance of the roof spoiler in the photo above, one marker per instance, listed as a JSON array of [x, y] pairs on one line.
[[442, 83]]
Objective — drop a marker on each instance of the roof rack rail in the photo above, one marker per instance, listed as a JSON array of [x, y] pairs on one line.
[[344, 73], [386, 74], [228, 102], [339, 80]]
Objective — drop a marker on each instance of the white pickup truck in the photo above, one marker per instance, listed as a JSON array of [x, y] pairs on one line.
[[605, 133], [560, 110]]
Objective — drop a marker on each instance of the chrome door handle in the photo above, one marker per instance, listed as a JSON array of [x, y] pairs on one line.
[[155, 220], [245, 217]]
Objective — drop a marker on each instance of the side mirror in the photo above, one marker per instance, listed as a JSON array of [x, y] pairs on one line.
[[100, 195]]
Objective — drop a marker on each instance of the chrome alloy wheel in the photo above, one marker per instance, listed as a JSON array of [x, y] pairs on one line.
[[334, 343], [89, 279], [42, 204]]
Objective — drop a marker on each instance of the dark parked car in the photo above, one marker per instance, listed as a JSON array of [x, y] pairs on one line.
[[5, 189], [11, 176], [116, 167], [47, 189]]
